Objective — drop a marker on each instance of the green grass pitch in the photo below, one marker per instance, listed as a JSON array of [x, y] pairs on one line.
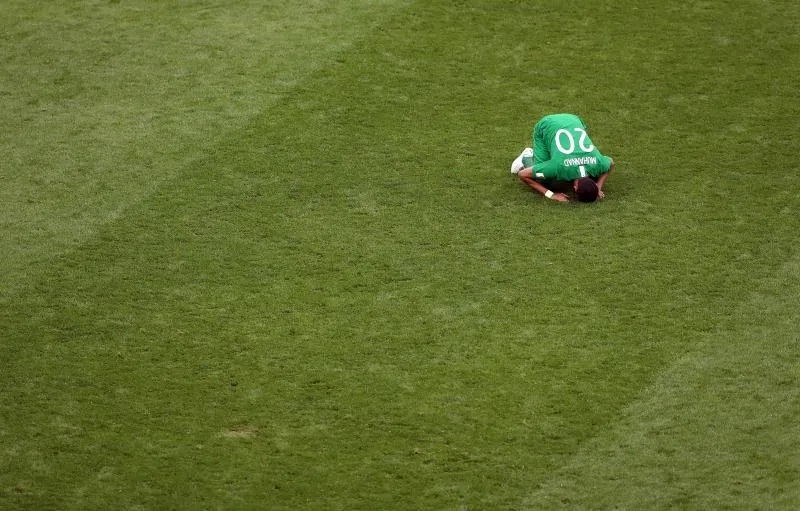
[[268, 255]]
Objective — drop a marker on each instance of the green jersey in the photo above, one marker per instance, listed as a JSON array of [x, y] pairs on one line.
[[563, 151]]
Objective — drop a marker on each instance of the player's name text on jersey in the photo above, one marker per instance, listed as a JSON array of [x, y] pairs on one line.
[[586, 160]]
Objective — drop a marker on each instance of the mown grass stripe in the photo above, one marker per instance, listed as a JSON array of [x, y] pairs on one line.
[[105, 102], [716, 429]]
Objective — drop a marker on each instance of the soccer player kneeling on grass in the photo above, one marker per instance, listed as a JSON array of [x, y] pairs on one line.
[[562, 152]]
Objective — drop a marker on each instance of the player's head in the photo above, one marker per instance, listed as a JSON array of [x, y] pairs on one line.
[[586, 189]]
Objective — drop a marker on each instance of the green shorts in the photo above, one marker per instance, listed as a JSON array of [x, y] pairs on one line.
[[541, 148]]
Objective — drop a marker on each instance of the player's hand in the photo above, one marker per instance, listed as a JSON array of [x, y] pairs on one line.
[[600, 194], [560, 197]]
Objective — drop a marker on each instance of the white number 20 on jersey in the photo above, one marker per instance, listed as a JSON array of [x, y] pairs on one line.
[[571, 148]]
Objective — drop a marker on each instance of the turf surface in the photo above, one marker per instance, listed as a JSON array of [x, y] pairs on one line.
[[269, 255]]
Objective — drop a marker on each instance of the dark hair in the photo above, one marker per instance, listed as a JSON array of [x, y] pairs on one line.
[[586, 190]]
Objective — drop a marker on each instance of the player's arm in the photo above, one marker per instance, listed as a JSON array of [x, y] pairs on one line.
[[526, 175], [602, 180]]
